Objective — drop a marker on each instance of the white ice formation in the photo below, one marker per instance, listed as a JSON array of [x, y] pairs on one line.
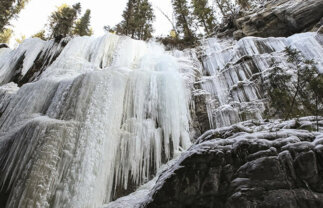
[[233, 71], [85, 121], [106, 113]]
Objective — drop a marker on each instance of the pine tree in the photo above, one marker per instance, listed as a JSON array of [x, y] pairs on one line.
[[125, 27], [279, 91], [82, 26], [41, 35], [204, 15], [184, 19], [298, 95], [144, 17], [137, 20], [6, 35], [9, 9], [62, 20]]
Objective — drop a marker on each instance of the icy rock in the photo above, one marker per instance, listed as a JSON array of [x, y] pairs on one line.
[[235, 73], [28, 61], [7, 91], [245, 169], [282, 18]]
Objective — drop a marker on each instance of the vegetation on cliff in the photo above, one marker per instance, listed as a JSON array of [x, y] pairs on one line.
[[297, 94], [9, 9]]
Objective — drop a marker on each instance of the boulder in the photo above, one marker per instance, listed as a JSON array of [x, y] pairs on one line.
[[257, 168], [3, 45]]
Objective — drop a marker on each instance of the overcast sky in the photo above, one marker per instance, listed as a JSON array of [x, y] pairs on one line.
[[104, 12]]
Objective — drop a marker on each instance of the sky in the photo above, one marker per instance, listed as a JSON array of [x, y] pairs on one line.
[[33, 18]]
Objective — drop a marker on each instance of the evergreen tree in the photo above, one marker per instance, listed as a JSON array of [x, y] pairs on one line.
[[295, 57], [82, 26], [125, 27], [9, 9], [298, 95], [40, 35], [144, 17], [184, 19], [279, 91], [62, 20], [6, 35], [137, 20], [204, 15]]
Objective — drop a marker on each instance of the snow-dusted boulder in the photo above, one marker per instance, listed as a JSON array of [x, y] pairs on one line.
[[268, 164]]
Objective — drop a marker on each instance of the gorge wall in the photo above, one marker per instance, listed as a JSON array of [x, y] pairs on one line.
[[280, 18], [254, 163], [236, 73]]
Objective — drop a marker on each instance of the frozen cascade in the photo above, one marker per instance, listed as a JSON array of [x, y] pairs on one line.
[[18, 65], [86, 121], [107, 112], [233, 73]]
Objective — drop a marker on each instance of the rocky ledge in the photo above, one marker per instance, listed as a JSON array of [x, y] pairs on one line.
[[3, 45], [281, 18], [250, 164]]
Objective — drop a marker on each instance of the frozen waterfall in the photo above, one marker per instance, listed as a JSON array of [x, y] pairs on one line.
[[88, 120], [236, 70], [104, 113]]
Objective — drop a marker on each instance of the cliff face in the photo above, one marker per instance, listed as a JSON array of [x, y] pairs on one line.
[[90, 120], [236, 72], [254, 163], [281, 18]]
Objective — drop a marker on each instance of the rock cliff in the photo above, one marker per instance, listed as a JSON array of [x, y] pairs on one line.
[[90, 120], [250, 164], [281, 18]]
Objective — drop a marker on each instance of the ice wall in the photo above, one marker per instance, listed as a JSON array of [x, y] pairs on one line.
[[28, 61], [107, 112], [234, 73], [87, 120]]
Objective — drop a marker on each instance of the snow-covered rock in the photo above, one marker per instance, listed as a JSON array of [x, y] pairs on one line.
[[251, 164], [235, 73]]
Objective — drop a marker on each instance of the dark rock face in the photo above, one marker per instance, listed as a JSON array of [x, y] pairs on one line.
[[275, 166], [202, 121], [281, 18], [3, 45]]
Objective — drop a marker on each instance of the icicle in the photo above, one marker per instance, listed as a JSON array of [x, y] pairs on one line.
[[231, 68], [107, 111]]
